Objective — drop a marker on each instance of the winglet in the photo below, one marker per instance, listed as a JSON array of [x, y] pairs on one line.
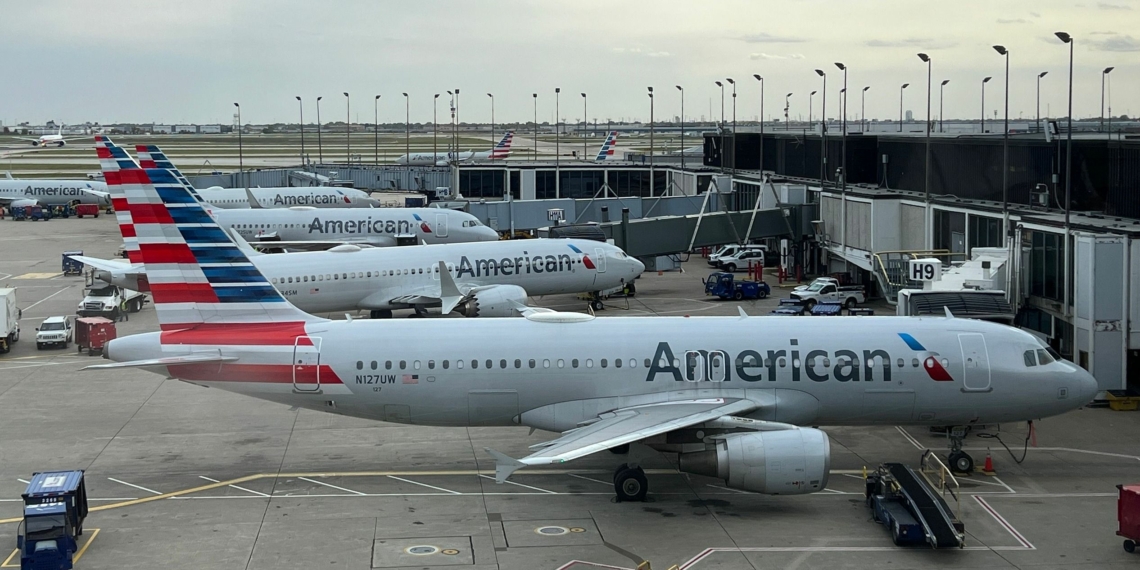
[[504, 465], [949, 315], [253, 203], [449, 294]]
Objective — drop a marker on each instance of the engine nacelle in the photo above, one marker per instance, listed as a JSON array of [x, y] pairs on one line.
[[786, 462], [61, 144], [23, 203], [494, 301]]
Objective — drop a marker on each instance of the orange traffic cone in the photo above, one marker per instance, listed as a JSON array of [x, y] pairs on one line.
[[988, 469]]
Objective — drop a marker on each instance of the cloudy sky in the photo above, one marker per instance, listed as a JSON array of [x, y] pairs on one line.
[[138, 61]]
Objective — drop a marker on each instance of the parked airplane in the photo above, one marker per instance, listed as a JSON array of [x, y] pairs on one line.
[[150, 156], [305, 227], [17, 192], [607, 151], [501, 151], [727, 394], [57, 139], [493, 279]]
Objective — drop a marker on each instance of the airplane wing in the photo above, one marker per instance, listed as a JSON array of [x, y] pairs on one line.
[[622, 426], [161, 362], [316, 245], [110, 265]]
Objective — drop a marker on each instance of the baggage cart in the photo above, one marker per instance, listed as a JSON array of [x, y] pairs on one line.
[[1128, 515], [72, 266], [93, 333]]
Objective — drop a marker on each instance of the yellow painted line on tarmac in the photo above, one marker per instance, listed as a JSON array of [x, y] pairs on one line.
[[9, 559], [90, 539]]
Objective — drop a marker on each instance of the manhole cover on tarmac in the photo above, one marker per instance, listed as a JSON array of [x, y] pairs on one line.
[[449, 551], [421, 550], [551, 530], [577, 529]]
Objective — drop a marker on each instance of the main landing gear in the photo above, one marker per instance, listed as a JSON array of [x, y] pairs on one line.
[[959, 461], [380, 314], [630, 484]]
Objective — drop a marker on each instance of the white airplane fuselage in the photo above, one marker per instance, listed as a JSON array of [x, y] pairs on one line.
[[372, 226], [551, 376], [312, 196], [52, 192]]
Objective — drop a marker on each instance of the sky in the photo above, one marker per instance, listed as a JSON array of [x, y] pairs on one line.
[[188, 62]]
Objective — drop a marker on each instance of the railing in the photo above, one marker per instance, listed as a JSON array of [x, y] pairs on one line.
[[891, 269], [936, 473]]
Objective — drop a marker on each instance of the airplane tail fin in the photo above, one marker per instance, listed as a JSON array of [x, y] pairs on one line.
[[198, 276], [608, 147], [113, 159], [150, 156], [503, 149]]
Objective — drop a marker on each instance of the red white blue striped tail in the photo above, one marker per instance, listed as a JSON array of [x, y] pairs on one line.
[[113, 159], [608, 147], [503, 149], [150, 156]]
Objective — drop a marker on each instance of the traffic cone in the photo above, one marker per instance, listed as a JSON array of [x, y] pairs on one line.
[[988, 469]]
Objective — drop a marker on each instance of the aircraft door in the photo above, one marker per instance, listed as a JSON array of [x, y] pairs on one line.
[[975, 363], [600, 260], [441, 225], [307, 364], [694, 366]]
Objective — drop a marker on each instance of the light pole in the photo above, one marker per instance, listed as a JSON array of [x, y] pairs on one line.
[[451, 105], [843, 147], [787, 106], [823, 131], [720, 127], [1103, 75], [941, 90], [926, 59], [1064, 37], [901, 89], [733, 83], [492, 122], [652, 186], [863, 109], [585, 121], [320, 147], [301, 107], [761, 80], [435, 128], [535, 96], [1005, 147], [985, 80], [407, 127], [679, 88], [376, 130], [1039, 76], [557, 144], [241, 163], [347, 129]]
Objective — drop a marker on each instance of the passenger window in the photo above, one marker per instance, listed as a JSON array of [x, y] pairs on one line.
[[369, 274], [1030, 358], [518, 363], [574, 363], [336, 276], [633, 363], [914, 362], [589, 363], [531, 363], [344, 276], [387, 365], [617, 363], [431, 365], [459, 364], [782, 362], [546, 363], [416, 365], [902, 363], [561, 363], [360, 365], [490, 364], [374, 365], [604, 363], [474, 364], [446, 364], [403, 364], [1043, 356], [648, 363]]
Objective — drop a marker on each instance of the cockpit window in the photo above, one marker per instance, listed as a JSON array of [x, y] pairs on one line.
[[1030, 358], [1044, 357]]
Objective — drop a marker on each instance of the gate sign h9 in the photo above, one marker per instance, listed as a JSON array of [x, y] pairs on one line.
[[927, 269]]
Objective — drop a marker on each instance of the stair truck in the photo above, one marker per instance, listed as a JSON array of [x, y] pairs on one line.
[[55, 504]]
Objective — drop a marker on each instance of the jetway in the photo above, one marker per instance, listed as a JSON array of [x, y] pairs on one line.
[[651, 237]]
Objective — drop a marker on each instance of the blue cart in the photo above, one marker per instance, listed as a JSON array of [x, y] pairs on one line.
[[72, 266], [725, 286]]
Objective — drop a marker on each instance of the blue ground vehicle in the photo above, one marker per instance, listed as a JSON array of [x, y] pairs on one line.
[[725, 286], [55, 504], [19, 213], [71, 266]]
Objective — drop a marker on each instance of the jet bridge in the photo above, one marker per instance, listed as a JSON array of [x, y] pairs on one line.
[[666, 235]]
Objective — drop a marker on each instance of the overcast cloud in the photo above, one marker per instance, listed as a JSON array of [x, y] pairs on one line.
[[138, 61]]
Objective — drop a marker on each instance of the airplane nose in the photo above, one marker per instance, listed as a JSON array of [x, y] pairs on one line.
[[1086, 385], [488, 234], [638, 266]]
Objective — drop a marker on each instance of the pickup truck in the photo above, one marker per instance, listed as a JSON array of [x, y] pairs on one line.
[[828, 290], [108, 301]]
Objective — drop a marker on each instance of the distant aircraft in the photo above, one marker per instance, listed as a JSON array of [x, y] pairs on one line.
[[57, 139], [150, 156], [607, 151], [17, 192], [501, 151], [732, 397]]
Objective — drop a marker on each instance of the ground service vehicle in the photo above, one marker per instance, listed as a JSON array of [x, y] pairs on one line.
[[72, 266], [742, 259], [93, 333], [9, 319], [731, 250], [828, 290], [725, 286], [54, 331], [109, 301], [55, 504], [1128, 515], [87, 210]]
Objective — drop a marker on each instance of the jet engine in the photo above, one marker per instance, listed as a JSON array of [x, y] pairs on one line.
[[61, 144], [494, 301], [786, 462]]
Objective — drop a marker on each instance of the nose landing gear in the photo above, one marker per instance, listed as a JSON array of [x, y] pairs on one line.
[[959, 461]]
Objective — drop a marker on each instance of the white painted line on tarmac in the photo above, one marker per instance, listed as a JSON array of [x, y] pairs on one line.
[[29, 307], [24, 482], [1088, 451], [521, 485], [330, 485], [1001, 520], [910, 438], [573, 563], [258, 493], [152, 491], [589, 479], [1055, 495], [424, 485], [737, 491], [850, 549]]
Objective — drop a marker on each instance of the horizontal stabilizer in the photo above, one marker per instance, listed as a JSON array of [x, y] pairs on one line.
[[504, 465], [168, 361]]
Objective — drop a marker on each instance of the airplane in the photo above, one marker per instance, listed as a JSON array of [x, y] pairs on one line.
[[57, 139], [150, 156], [489, 279], [501, 151], [15, 192], [306, 227], [608, 147], [731, 396]]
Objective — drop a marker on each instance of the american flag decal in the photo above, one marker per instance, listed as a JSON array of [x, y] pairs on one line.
[[314, 291], [411, 378]]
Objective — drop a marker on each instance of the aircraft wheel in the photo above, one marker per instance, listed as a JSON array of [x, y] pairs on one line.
[[961, 462], [380, 314], [631, 485], [597, 305], [618, 471]]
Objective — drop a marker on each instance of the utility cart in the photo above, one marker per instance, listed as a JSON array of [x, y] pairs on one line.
[[72, 266], [1128, 515], [93, 333]]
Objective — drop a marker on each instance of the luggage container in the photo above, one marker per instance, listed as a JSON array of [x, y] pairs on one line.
[[93, 333], [1128, 515], [87, 210]]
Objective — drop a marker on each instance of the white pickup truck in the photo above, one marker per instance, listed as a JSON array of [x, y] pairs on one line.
[[109, 301], [828, 290]]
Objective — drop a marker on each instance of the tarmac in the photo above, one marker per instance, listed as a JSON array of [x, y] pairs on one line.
[[186, 477]]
